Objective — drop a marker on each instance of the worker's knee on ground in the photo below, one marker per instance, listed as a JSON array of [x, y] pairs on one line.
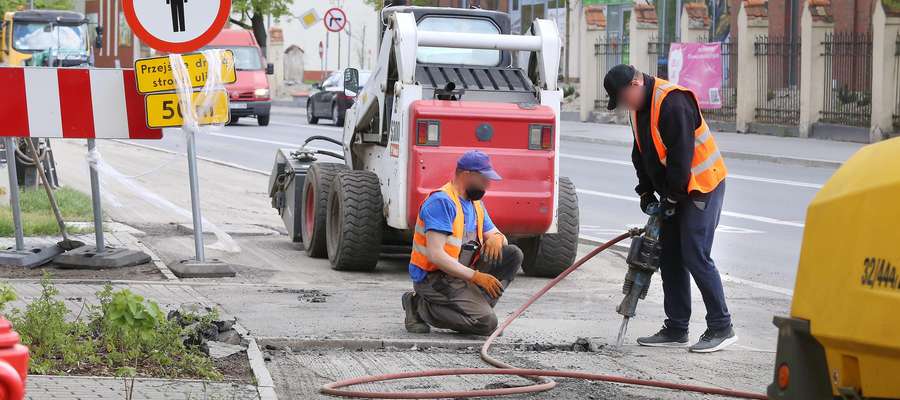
[[485, 325]]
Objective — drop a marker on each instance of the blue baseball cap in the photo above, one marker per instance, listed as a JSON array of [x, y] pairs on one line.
[[477, 161]]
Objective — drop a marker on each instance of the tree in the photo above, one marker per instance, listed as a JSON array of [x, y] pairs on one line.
[[13, 5], [255, 12], [379, 4]]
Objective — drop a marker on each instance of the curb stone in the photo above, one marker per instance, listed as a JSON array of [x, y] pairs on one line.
[[806, 162]]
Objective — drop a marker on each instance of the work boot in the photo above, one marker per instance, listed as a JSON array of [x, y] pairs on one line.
[[413, 322], [666, 337], [714, 340]]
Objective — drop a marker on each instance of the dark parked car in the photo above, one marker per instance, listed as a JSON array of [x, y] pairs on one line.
[[330, 102]]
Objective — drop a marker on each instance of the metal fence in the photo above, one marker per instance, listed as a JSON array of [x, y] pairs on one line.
[[848, 79], [728, 91], [777, 80], [897, 79], [658, 50], [611, 49]]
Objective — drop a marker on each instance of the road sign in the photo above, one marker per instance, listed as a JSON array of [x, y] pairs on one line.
[[176, 26], [335, 19], [164, 109], [155, 74], [76, 103], [309, 18]]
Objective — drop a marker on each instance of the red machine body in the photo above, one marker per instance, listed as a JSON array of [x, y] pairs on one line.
[[13, 363], [522, 203]]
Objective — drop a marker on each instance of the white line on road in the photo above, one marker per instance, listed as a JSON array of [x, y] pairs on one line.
[[324, 128], [730, 176], [750, 217]]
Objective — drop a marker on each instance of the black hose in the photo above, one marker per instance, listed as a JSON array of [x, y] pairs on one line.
[[330, 153], [320, 137]]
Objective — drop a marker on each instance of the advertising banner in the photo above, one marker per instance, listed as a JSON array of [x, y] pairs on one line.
[[698, 66]]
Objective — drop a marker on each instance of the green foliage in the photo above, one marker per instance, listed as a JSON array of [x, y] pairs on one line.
[[7, 294], [379, 4], [275, 8], [13, 5], [125, 335], [37, 218]]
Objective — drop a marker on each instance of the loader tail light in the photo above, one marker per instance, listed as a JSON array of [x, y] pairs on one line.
[[784, 376], [540, 137], [428, 133]]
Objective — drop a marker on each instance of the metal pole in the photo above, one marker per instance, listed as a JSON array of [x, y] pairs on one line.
[[95, 201], [195, 194], [14, 191]]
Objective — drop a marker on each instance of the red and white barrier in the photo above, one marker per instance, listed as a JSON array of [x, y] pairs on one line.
[[72, 103]]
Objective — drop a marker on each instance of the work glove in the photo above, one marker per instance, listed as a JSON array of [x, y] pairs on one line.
[[487, 282], [647, 199], [493, 248], [668, 207]]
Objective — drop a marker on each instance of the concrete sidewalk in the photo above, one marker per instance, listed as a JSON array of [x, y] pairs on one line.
[[309, 315], [808, 152]]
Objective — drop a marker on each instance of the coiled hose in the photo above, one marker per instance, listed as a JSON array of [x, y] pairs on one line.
[[539, 376]]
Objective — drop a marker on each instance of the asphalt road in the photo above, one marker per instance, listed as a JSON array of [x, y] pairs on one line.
[[759, 236]]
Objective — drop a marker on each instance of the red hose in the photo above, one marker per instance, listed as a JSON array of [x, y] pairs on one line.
[[537, 375]]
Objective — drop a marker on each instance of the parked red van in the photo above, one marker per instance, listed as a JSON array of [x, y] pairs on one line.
[[249, 95]]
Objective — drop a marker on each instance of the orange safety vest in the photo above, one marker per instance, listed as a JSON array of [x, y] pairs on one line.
[[454, 243], [708, 166]]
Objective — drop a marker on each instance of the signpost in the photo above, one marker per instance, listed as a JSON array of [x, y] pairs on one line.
[[181, 26]]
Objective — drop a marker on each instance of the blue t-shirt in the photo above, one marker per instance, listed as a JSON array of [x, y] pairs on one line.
[[437, 213]]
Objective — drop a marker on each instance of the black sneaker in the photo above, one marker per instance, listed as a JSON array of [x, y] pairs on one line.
[[666, 337], [714, 340], [413, 322]]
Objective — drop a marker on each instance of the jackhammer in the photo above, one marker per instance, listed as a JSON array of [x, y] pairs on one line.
[[643, 262]]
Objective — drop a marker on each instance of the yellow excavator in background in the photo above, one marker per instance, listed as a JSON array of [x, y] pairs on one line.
[[842, 339], [45, 38]]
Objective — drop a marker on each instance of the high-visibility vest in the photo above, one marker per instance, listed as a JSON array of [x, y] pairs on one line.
[[708, 166], [454, 243]]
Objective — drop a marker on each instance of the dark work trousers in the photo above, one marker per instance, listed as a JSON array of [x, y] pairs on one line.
[[447, 302], [687, 239]]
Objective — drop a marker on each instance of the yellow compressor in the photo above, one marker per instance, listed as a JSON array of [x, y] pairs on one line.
[[843, 336]]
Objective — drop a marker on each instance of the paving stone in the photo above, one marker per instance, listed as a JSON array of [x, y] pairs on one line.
[[75, 388]]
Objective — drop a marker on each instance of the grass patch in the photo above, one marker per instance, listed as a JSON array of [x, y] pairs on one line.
[[37, 216], [125, 335]]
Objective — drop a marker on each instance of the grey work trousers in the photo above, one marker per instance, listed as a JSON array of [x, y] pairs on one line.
[[447, 302]]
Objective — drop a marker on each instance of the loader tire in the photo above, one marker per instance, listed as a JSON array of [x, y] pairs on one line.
[[355, 221], [551, 253], [314, 208]]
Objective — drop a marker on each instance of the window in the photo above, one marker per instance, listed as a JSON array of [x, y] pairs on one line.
[[31, 36], [246, 58], [442, 55], [515, 5]]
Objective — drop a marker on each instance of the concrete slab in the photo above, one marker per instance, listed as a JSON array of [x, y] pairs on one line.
[[30, 257], [221, 350], [231, 229], [87, 257], [212, 268]]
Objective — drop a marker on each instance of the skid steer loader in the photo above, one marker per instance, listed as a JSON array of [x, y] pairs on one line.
[[447, 81]]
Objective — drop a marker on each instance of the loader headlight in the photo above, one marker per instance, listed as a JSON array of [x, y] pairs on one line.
[[428, 133], [261, 92]]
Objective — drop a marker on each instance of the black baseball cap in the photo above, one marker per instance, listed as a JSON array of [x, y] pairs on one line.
[[618, 78]]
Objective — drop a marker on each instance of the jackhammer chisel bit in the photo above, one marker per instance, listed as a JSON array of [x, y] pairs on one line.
[[643, 262]]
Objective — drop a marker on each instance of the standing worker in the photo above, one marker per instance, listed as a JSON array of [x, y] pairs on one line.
[[676, 156], [460, 263]]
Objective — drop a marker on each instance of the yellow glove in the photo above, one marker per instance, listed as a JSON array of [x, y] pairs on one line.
[[493, 248], [487, 282]]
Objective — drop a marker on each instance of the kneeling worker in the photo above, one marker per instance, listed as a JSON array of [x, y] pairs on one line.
[[456, 288]]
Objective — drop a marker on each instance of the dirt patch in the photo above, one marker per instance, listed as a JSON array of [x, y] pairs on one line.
[[235, 367], [143, 272]]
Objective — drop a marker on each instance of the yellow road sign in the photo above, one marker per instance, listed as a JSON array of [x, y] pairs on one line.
[[155, 74], [164, 110]]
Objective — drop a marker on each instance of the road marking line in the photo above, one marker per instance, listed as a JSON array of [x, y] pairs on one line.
[[324, 128], [750, 217], [625, 244], [730, 176]]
